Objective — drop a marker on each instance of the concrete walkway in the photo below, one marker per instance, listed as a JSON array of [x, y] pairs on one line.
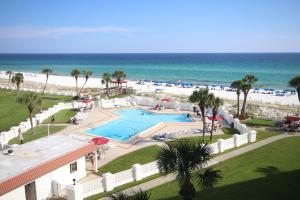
[[165, 179]]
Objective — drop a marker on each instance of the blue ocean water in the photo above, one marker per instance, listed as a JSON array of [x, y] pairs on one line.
[[272, 69], [133, 121]]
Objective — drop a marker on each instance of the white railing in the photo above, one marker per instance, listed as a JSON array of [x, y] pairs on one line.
[[228, 143], [150, 169], [62, 93], [215, 147], [5, 136], [138, 172], [93, 187], [123, 177]]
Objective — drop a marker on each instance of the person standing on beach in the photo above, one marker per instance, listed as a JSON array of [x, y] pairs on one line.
[[20, 135], [52, 119]]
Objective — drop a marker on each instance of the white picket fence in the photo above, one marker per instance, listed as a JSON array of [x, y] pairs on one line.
[[55, 92], [5, 136], [109, 181]]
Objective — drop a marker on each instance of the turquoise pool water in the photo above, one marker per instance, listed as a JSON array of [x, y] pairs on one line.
[[133, 121]]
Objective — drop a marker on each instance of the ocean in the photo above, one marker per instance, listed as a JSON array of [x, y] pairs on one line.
[[273, 70]]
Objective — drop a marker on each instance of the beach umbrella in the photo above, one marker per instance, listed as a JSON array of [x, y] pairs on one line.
[[100, 140], [217, 118]]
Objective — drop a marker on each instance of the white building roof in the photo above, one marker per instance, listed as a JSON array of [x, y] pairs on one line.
[[32, 154]]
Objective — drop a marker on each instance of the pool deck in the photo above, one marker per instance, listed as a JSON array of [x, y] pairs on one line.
[[99, 116]]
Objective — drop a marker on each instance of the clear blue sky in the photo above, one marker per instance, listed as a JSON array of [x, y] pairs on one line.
[[110, 26]]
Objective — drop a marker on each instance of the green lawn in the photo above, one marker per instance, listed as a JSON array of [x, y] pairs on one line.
[[13, 113], [228, 132], [261, 134], [259, 122], [62, 116], [270, 172], [125, 162], [118, 96], [141, 156], [39, 132]]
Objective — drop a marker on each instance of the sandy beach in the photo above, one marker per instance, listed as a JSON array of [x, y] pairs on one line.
[[58, 81]]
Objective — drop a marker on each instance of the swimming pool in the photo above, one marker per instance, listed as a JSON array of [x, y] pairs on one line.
[[133, 121]]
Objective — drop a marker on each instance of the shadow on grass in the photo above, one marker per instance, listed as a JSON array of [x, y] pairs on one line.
[[268, 171], [275, 185]]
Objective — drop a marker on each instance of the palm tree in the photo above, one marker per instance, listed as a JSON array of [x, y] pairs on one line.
[[87, 75], [238, 86], [9, 73], [183, 158], [47, 72], [140, 195], [18, 78], [216, 102], [106, 79], [31, 100], [248, 82], [295, 82], [209, 178], [119, 76], [75, 73], [203, 99]]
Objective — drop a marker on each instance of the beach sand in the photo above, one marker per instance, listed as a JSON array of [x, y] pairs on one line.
[[61, 82]]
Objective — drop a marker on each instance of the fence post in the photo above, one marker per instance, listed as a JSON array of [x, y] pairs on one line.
[[220, 145], [236, 140], [252, 136], [75, 192], [137, 172], [108, 182]]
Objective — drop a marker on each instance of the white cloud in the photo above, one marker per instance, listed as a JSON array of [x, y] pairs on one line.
[[38, 32]]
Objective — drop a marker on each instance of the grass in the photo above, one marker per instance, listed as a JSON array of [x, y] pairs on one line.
[[263, 134], [270, 172], [39, 132], [259, 122], [125, 162], [148, 154], [62, 116], [13, 113], [228, 132], [141, 156], [118, 96]]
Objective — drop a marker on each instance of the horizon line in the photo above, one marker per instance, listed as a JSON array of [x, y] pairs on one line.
[[250, 52]]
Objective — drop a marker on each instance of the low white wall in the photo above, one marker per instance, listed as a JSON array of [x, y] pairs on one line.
[[138, 172], [61, 92], [5, 136]]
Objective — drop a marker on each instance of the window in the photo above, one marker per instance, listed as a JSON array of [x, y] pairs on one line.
[[73, 167]]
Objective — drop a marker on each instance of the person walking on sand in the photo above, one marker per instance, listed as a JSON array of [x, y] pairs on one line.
[[52, 119], [20, 135]]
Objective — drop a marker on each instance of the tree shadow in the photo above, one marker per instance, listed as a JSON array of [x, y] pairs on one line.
[[274, 186], [268, 171]]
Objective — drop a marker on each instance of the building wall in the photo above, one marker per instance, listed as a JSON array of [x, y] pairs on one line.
[[43, 187], [63, 175], [44, 184], [17, 194]]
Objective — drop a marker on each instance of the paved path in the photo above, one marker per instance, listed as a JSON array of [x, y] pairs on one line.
[[164, 179]]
